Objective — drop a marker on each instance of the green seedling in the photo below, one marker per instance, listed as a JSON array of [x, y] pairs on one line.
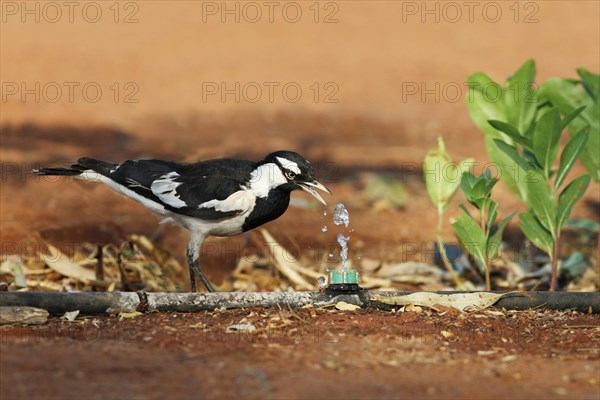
[[549, 204], [524, 145], [568, 95], [482, 239], [442, 178]]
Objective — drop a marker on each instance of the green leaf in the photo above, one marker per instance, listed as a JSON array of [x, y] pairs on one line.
[[520, 97], [567, 119], [570, 154], [567, 96], [442, 175], [510, 131], [514, 168], [492, 211], [462, 207], [591, 82], [467, 181], [489, 184], [470, 234], [514, 155], [535, 232], [546, 139], [540, 199], [531, 160], [495, 238], [484, 101], [568, 197], [462, 167], [479, 193], [530, 132], [477, 189]]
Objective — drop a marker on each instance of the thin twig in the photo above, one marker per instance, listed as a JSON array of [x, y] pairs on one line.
[[99, 265], [440, 241]]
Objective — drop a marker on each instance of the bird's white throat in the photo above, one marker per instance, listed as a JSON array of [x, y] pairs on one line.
[[266, 177]]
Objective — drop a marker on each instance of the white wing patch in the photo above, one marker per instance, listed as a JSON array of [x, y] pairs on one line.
[[287, 164], [165, 189], [242, 201]]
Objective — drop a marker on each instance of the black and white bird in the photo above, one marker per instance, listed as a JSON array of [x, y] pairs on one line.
[[220, 197]]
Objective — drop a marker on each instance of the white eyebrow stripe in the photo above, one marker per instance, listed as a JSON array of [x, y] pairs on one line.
[[287, 164]]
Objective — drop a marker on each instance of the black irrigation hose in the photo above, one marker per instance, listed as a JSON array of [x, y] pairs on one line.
[[100, 303], [587, 302]]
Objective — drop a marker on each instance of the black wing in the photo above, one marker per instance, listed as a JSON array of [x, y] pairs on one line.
[[180, 187]]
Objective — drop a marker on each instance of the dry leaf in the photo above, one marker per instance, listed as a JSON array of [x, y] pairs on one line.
[[59, 262], [22, 315], [70, 315], [343, 306], [13, 265], [446, 310], [460, 301], [240, 328], [411, 308], [123, 315]]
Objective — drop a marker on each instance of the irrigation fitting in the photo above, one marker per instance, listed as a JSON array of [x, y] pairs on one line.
[[344, 281]]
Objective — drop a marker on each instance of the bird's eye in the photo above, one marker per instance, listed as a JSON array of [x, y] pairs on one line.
[[290, 175]]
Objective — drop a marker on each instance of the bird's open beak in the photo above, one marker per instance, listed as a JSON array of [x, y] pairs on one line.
[[310, 187]]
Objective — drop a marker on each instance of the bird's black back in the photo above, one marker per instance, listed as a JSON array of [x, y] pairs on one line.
[[201, 182]]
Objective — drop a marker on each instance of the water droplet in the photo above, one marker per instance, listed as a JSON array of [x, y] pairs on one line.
[[343, 241], [341, 215], [322, 281], [324, 228]]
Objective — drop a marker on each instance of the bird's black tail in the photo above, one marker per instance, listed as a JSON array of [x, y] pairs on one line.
[[83, 164], [57, 171]]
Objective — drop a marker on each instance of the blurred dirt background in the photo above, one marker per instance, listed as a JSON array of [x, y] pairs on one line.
[[379, 82]]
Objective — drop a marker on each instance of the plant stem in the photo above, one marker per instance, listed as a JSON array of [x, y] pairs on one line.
[[438, 234], [554, 262], [486, 263], [488, 285]]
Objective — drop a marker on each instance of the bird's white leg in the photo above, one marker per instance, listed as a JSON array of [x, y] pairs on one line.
[[193, 255]]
